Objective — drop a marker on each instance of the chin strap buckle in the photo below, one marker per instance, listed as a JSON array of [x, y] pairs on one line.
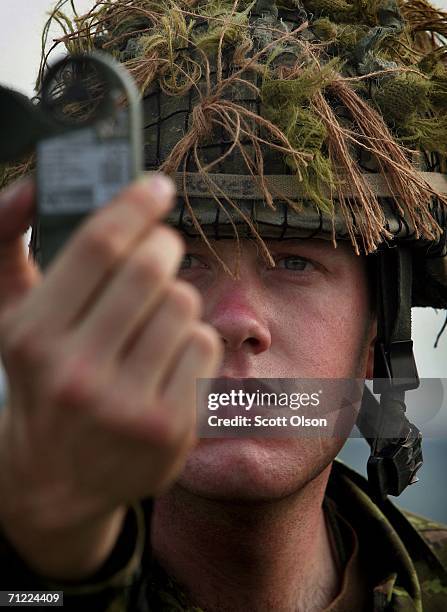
[[392, 468], [396, 450]]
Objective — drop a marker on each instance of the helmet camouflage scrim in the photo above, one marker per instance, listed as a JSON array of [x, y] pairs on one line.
[[312, 118], [292, 119]]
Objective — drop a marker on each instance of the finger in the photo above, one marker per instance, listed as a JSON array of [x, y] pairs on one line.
[[16, 209], [144, 366], [200, 358], [97, 249], [131, 296], [17, 273], [172, 418]]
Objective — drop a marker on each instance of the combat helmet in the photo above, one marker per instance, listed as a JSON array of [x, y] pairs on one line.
[[304, 118]]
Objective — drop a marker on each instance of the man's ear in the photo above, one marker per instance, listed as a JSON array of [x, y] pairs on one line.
[[372, 337]]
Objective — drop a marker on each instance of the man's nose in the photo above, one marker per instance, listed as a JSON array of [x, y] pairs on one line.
[[239, 320]]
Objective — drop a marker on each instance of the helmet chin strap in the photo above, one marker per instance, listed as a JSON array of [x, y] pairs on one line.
[[395, 443]]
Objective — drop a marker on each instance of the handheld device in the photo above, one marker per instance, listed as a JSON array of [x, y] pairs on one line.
[[86, 131]]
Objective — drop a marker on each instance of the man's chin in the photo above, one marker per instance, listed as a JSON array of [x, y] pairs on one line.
[[254, 469]]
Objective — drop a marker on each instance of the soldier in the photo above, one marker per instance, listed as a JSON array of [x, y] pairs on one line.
[[272, 120]]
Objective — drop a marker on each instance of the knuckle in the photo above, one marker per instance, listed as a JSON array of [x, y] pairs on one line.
[[73, 386], [23, 347], [102, 242]]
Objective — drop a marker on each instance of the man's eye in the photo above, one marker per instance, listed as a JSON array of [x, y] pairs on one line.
[[294, 263], [189, 261]]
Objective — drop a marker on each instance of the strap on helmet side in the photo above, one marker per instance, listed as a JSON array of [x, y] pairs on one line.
[[395, 443]]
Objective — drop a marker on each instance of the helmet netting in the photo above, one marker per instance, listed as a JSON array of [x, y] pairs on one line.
[[310, 88]]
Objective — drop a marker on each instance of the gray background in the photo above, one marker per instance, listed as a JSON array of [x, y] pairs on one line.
[[20, 43]]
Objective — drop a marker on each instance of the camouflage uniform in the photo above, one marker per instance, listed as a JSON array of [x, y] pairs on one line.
[[396, 560]]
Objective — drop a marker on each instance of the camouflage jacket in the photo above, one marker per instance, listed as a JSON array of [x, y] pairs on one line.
[[406, 560]]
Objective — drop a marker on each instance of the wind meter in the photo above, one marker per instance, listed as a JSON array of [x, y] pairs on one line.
[[86, 131]]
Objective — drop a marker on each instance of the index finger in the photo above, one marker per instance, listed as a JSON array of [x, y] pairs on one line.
[[97, 248], [16, 209]]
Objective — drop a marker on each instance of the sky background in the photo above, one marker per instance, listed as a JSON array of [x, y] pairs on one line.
[[20, 48]]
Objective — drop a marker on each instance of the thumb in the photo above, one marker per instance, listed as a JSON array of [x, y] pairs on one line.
[[17, 273]]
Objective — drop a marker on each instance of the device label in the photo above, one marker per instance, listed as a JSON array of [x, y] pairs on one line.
[[78, 172]]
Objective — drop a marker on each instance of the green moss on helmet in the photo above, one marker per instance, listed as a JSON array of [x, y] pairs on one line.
[[427, 133], [286, 102], [324, 29], [229, 34], [403, 96]]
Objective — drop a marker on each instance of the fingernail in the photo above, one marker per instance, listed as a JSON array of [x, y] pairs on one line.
[[10, 193], [161, 184]]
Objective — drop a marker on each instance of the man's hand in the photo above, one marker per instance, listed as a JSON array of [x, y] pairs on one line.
[[102, 356]]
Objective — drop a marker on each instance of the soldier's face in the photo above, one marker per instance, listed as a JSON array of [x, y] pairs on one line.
[[309, 317]]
